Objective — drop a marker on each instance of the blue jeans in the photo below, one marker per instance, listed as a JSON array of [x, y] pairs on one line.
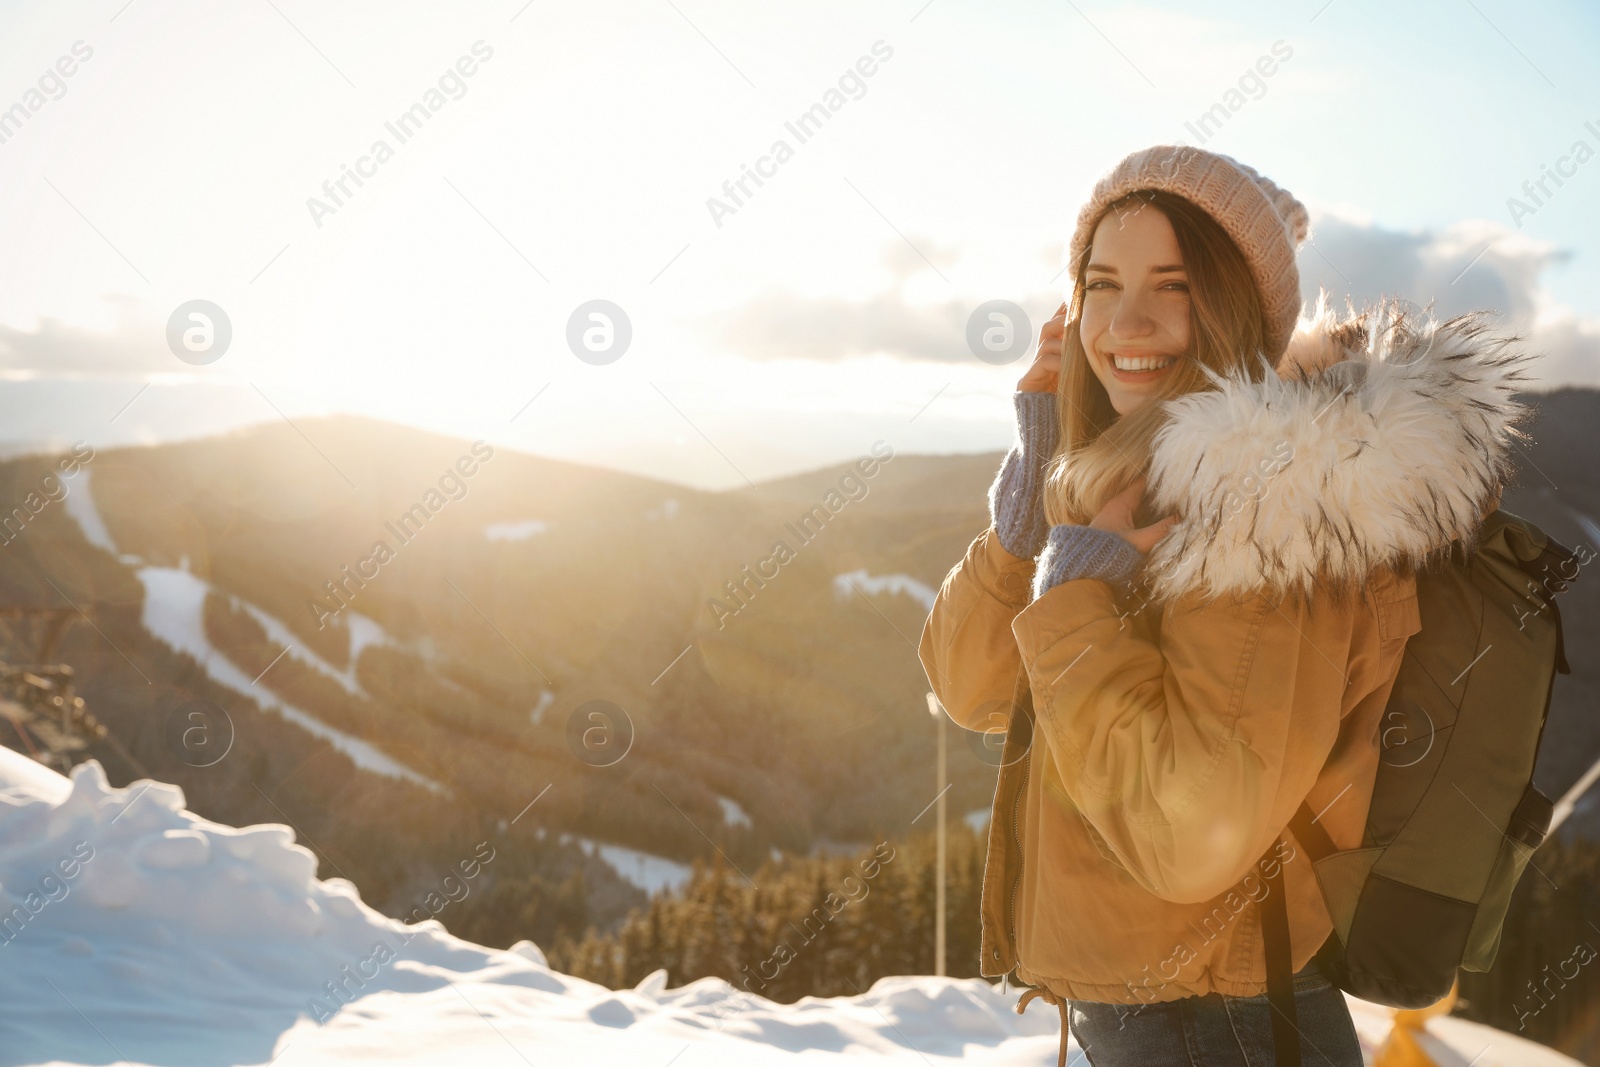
[[1216, 1030]]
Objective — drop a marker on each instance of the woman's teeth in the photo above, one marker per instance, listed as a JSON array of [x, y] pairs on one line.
[[1138, 363]]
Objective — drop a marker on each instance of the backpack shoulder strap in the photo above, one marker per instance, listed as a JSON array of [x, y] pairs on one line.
[[1280, 966], [1275, 935], [1310, 833]]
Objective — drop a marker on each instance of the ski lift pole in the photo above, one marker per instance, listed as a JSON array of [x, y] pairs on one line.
[[938, 894], [1570, 798]]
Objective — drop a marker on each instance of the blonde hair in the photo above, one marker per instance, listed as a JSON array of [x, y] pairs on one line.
[[1100, 453]]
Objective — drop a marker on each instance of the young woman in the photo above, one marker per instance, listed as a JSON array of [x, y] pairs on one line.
[[1191, 604]]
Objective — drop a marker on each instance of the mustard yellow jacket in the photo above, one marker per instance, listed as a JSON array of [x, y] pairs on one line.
[[1156, 747]]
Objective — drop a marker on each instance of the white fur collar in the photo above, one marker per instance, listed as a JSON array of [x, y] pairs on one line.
[[1379, 441]]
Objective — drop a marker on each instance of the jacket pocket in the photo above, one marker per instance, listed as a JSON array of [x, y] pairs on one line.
[[1058, 797], [1394, 602]]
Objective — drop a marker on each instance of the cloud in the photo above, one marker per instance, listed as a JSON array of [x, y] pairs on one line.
[[1468, 266], [916, 254], [828, 329], [784, 326], [1465, 267], [136, 346], [1571, 347]]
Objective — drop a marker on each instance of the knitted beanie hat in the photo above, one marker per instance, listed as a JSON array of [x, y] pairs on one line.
[[1265, 222]]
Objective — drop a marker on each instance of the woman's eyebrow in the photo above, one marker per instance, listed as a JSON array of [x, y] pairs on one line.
[[1169, 268]]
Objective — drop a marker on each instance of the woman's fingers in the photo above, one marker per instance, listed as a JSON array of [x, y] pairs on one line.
[[1117, 517], [1056, 325], [1116, 514], [1041, 377], [1043, 374], [1146, 538], [1128, 500]]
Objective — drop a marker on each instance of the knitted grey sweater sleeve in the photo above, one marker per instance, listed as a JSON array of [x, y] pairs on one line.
[[1015, 504], [1072, 552]]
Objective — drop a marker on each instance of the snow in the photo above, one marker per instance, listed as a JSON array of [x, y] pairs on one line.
[[174, 611], [80, 505], [515, 531], [279, 634], [732, 813], [365, 633], [35, 779], [175, 940], [978, 818], [174, 605], [846, 584], [536, 713], [652, 873]]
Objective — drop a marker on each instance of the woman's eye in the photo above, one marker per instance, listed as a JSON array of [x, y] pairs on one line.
[[1099, 283], [1177, 287]]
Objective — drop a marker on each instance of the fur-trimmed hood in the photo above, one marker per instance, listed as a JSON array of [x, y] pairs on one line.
[[1380, 440]]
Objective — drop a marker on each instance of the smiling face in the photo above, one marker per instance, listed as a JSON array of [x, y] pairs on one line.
[[1135, 325]]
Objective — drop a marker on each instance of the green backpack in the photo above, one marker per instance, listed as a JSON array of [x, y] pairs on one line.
[[1455, 815]]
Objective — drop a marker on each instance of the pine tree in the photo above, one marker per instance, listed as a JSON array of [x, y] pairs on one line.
[[811, 926]]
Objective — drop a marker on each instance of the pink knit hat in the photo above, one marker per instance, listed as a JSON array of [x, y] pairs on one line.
[[1266, 222]]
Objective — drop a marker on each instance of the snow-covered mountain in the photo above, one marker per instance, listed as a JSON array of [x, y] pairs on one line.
[[135, 932]]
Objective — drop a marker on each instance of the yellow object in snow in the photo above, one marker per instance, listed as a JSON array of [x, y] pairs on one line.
[[1401, 1048]]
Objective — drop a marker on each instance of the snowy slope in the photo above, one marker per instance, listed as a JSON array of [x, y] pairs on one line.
[[140, 933], [174, 611], [652, 873], [871, 584]]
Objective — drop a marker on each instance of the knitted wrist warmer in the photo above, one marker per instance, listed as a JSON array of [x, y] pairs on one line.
[[1085, 552], [1015, 505]]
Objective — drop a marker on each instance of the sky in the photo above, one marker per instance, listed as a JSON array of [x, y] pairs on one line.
[[564, 154]]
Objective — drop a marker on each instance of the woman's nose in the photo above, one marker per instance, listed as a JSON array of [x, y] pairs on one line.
[[1131, 319]]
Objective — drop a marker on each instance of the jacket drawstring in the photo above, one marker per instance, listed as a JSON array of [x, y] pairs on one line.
[[1061, 1006]]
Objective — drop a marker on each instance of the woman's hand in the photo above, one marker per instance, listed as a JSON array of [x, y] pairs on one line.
[[1045, 371], [1117, 517]]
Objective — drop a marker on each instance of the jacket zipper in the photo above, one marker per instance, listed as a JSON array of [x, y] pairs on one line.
[[1016, 838]]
